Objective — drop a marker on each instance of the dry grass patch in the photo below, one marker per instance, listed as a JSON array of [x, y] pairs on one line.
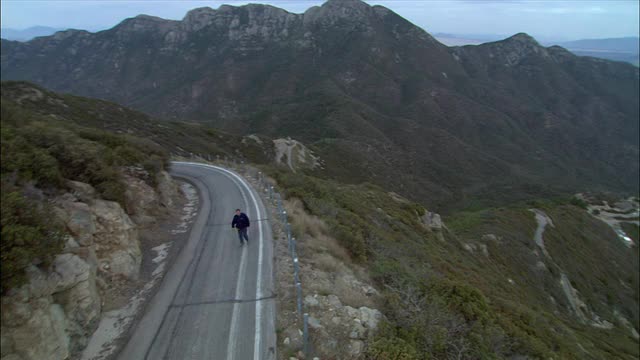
[[329, 269], [313, 233]]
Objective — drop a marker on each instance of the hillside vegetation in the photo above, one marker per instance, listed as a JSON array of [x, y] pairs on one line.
[[177, 138], [39, 154], [477, 290], [479, 287]]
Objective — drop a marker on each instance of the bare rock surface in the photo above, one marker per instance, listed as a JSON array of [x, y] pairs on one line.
[[116, 240], [54, 314], [295, 155]]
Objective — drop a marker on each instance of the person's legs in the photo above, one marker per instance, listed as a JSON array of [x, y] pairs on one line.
[[244, 234], [240, 235]]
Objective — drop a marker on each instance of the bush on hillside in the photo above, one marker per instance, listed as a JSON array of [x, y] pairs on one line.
[[42, 152], [29, 235], [578, 202], [48, 152], [430, 317], [28, 162]]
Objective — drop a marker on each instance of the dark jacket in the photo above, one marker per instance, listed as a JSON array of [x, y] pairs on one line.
[[240, 221]]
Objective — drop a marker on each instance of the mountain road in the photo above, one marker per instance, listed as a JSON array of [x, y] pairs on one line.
[[217, 300]]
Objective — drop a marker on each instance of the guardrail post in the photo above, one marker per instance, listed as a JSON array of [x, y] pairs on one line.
[[296, 270], [293, 248], [299, 291], [305, 336], [291, 240]]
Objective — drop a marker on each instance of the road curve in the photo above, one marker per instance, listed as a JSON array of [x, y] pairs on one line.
[[217, 300]]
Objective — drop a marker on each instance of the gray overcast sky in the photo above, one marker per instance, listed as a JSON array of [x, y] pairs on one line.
[[544, 19]]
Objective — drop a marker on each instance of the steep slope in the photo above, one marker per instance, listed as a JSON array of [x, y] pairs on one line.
[[178, 138], [376, 96], [78, 204], [489, 284]]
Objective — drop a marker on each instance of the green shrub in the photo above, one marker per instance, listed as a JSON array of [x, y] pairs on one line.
[[462, 298], [351, 238], [153, 165], [48, 152], [390, 342], [27, 161], [29, 236], [464, 221], [578, 202]]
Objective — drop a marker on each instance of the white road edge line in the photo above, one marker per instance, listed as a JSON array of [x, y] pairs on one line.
[[258, 327]]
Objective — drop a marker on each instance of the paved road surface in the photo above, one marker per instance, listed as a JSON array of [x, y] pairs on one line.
[[217, 300]]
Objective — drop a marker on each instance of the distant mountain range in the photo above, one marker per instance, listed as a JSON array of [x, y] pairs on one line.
[[618, 49], [28, 33], [377, 97]]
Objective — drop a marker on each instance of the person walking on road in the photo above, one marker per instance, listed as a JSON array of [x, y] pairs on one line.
[[241, 222]]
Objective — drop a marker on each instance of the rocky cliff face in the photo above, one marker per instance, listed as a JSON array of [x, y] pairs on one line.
[[56, 311]]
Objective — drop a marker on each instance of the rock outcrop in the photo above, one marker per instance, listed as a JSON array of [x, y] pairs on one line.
[[346, 328], [433, 222], [116, 240], [295, 155], [53, 315]]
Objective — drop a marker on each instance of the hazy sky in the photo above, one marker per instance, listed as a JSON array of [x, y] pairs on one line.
[[544, 19]]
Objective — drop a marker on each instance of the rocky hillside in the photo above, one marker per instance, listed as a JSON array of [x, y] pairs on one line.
[[534, 280], [372, 94], [74, 202]]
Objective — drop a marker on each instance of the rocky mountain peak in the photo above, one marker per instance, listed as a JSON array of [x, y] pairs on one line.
[[234, 17], [346, 3], [143, 19], [334, 10], [198, 18], [522, 38], [346, 7], [65, 34], [194, 14], [514, 49], [142, 23]]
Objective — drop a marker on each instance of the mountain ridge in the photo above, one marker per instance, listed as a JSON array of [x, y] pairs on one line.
[[373, 93]]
